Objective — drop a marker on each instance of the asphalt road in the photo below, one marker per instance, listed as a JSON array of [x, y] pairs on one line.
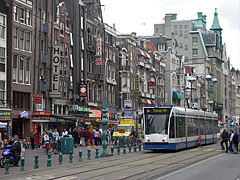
[[207, 162], [224, 166]]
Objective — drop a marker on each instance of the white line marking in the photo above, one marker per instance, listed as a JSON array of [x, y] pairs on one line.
[[189, 167]]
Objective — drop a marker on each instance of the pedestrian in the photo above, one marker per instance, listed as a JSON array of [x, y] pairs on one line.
[[16, 149], [37, 140], [70, 131], [75, 137], [96, 137], [56, 136], [64, 132], [87, 136], [32, 139], [230, 140], [235, 142], [82, 140], [225, 138]]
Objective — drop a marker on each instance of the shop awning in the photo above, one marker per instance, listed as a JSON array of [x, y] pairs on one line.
[[143, 101], [147, 55], [176, 95], [140, 52], [148, 102]]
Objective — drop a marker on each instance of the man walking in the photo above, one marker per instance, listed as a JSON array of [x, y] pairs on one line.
[[224, 140]]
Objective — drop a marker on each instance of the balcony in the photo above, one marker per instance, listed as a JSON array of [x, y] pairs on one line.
[[44, 28], [44, 57]]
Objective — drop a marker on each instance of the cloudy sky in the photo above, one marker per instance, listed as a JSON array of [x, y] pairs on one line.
[[141, 15]]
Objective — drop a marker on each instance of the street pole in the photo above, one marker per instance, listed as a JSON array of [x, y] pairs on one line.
[[211, 92], [104, 110]]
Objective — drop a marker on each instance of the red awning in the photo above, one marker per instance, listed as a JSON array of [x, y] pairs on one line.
[[147, 55], [140, 52], [152, 69], [142, 101], [148, 102]]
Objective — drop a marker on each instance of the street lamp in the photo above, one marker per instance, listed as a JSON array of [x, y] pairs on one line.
[[191, 80], [212, 80]]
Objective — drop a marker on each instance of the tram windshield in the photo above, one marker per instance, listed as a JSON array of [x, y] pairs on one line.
[[156, 123]]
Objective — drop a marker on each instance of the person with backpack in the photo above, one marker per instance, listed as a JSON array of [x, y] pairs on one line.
[[225, 140]]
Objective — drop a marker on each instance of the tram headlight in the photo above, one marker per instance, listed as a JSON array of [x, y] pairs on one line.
[[164, 139], [147, 139]]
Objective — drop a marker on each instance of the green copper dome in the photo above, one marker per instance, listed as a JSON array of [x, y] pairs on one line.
[[215, 24]]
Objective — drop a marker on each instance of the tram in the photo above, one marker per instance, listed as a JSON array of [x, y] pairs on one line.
[[174, 128]]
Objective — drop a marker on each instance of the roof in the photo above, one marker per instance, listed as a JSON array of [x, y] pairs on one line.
[[149, 45], [215, 24]]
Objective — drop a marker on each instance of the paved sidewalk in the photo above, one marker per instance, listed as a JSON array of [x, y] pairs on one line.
[[29, 157]]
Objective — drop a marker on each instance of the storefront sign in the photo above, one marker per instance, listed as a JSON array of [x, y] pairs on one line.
[[24, 114], [78, 108], [95, 113], [99, 52], [41, 115], [128, 104], [5, 116], [3, 125], [83, 90], [151, 84], [37, 98], [98, 120], [55, 67]]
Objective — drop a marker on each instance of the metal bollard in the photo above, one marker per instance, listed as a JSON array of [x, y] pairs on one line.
[[118, 150], [89, 154], [112, 150], [96, 157], [49, 164], [6, 166], [36, 166], [139, 146], [124, 149], [22, 163], [80, 155], [70, 157], [135, 147], [130, 147], [60, 158]]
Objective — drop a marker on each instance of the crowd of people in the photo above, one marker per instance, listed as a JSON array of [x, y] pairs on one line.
[[231, 139], [82, 136]]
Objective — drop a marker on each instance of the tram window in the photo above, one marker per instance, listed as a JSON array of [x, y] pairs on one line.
[[172, 129], [202, 127], [208, 126], [156, 123], [180, 121], [215, 127], [192, 127]]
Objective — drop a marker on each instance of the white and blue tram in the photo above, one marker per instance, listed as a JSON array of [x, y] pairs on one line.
[[173, 128]]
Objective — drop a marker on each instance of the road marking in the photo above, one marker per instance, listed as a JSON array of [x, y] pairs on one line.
[[189, 167], [208, 150], [68, 178], [197, 149]]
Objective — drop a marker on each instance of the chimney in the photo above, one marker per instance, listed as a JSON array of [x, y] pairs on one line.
[[200, 15], [174, 16]]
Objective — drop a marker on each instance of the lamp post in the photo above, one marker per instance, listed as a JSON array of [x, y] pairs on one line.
[[212, 80], [191, 80]]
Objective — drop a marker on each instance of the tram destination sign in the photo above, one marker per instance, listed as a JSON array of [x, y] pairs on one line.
[[157, 111]]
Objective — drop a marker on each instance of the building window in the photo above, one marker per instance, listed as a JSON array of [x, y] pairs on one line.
[[28, 41], [14, 72], [61, 49], [185, 31], [156, 30], [60, 87], [180, 30], [22, 15], [60, 68], [2, 26], [195, 52], [43, 17], [62, 29], [21, 45], [43, 46], [21, 69], [186, 47], [99, 96], [15, 11], [2, 90], [29, 18], [27, 71], [65, 89], [65, 68], [15, 38], [194, 41], [66, 50], [2, 54], [181, 45], [175, 30]]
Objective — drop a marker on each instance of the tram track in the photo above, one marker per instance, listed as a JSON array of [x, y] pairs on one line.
[[130, 162]]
